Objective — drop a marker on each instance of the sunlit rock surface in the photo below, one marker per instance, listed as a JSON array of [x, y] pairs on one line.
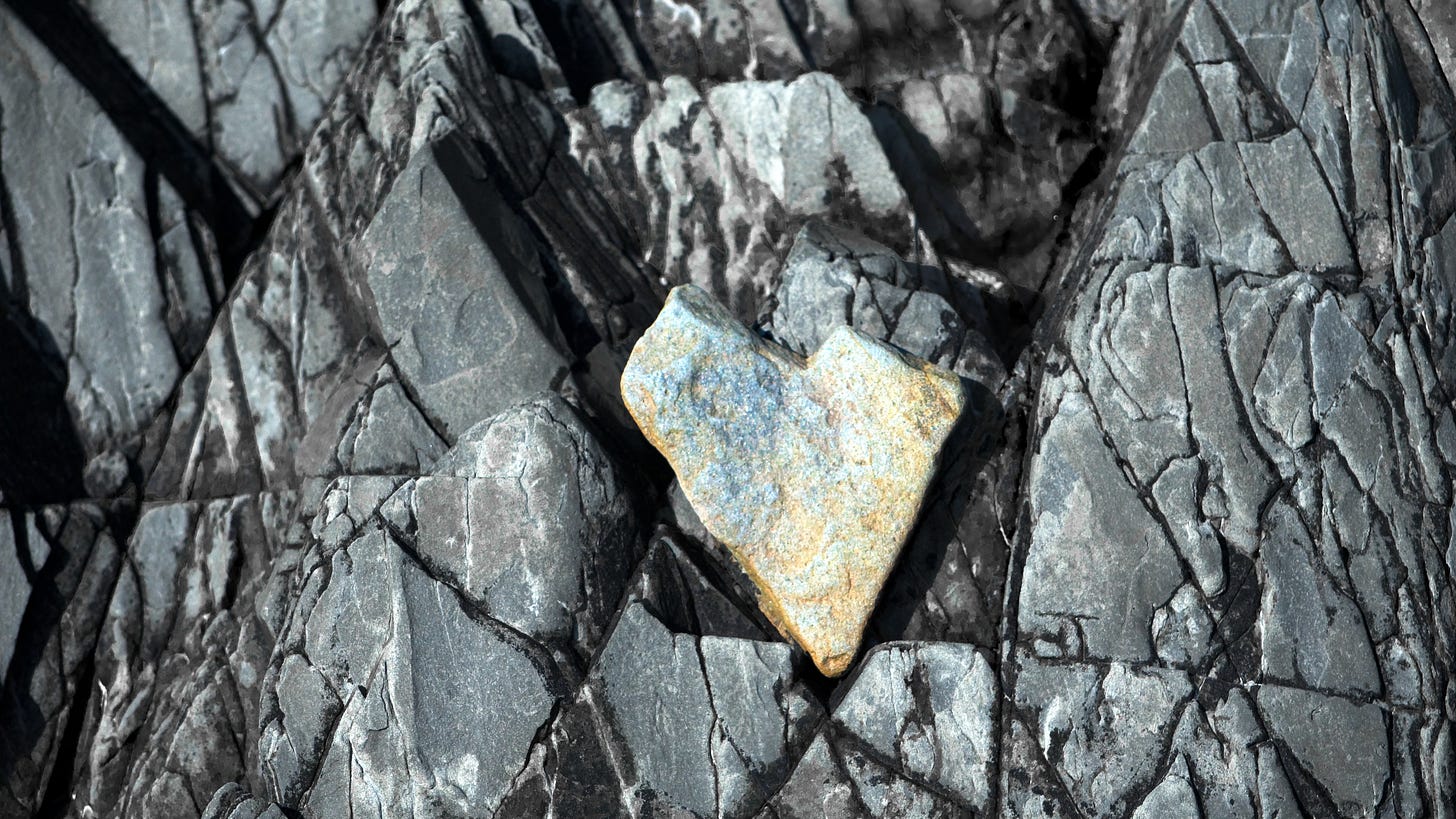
[[288, 527], [810, 470]]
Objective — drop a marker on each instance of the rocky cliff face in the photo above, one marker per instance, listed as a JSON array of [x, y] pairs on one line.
[[317, 496]]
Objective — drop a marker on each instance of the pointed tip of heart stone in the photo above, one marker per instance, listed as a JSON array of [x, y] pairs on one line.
[[811, 471]]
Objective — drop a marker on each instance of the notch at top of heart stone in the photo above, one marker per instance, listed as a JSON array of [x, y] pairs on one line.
[[811, 471]]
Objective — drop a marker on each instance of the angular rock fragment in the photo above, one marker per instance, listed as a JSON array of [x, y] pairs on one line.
[[689, 710], [734, 698], [478, 591], [456, 285], [811, 471], [834, 277], [914, 736], [400, 694], [929, 707], [528, 517]]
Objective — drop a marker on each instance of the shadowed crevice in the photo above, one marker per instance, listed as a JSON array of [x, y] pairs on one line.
[[145, 122]]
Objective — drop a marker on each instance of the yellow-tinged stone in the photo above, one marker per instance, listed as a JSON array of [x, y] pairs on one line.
[[811, 471]]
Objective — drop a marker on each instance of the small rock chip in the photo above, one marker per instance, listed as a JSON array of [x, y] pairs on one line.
[[810, 471]]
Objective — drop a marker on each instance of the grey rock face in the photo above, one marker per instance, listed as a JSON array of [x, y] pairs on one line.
[[689, 709], [447, 605], [833, 277], [317, 497], [181, 654], [1216, 544], [250, 81], [463, 311], [713, 183], [913, 736], [981, 109], [109, 283], [930, 710], [528, 517], [394, 672]]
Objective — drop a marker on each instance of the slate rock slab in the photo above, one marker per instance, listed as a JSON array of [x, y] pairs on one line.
[[810, 470]]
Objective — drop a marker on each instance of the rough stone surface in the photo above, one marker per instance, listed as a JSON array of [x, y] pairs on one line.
[[811, 470], [1239, 510], [411, 587], [109, 283], [465, 314], [689, 709], [930, 710], [834, 277], [250, 81], [913, 736], [318, 497]]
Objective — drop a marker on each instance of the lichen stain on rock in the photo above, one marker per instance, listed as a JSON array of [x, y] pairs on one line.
[[811, 471]]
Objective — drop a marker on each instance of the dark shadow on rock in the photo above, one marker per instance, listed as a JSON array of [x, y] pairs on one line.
[[925, 597], [40, 645], [41, 457], [584, 53], [147, 124], [21, 721], [514, 59], [917, 165]]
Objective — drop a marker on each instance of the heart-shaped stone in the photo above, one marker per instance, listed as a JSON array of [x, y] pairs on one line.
[[810, 471]]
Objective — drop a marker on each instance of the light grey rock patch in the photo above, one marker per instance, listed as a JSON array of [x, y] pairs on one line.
[[930, 708], [702, 718], [1086, 716], [385, 432], [1313, 634], [1174, 797], [1106, 590], [401, 698], [1290, 188], [1340, 743], [528, 517], [729, 175], [787, 135]]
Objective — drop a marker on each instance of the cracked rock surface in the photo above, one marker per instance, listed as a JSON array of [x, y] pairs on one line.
[[318, 496]]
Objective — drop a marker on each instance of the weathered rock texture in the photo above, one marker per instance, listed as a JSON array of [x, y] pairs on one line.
[[1238, 499], [318, 496]]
